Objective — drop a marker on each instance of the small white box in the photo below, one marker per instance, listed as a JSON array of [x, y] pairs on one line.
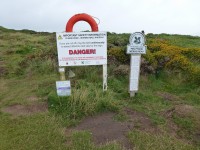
[[63, 88]]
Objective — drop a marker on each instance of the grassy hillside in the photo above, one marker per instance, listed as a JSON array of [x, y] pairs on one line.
[[166, 109]]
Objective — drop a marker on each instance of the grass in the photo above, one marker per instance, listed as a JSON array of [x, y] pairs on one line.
[[179, 40], [147, 141], [39, 131], [82, 103], [31, 62], [187, 124]]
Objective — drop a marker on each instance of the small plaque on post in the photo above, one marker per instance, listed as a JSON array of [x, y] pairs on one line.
[[137, 44]]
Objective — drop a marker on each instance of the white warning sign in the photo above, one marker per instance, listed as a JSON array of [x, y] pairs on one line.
[[82, 48]]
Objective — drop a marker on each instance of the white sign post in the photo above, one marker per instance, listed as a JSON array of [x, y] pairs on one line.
[[83, 49], [135, 48]]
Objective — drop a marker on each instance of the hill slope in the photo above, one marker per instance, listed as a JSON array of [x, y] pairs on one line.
[[164, 114]]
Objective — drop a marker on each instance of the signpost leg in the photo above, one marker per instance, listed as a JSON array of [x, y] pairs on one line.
[[105, 77], [132, 93], [62, 73], [134, 74]]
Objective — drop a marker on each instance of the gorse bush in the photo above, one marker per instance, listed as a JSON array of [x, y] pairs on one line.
[[175, 58], [119, 53], [117, 46]]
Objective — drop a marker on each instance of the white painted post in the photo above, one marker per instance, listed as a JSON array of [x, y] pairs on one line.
[[136, 47], [105, 77], [62, 73], [134, 73]]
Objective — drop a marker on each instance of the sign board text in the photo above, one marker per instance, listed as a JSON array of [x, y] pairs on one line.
[[82, 48]]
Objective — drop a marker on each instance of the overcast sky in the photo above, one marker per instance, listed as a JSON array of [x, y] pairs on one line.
[[120, 16]]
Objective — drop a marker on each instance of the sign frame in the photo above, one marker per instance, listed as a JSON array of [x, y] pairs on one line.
[[94, 26]]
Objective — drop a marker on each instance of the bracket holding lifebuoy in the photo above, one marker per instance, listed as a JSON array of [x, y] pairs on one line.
[[81, 17]]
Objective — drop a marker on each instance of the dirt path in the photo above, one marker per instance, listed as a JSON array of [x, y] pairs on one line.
[[105, 129], [23, 110]]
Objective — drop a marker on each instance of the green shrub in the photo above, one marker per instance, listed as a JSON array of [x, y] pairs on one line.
[[119, 53]]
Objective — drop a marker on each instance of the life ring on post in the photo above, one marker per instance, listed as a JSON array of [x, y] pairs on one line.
[[81, 17]]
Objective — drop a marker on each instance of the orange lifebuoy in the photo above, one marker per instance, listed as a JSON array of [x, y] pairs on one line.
[[81, 17]]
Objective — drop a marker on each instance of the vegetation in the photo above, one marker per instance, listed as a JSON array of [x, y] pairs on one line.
[[28, 71], [180, 54]]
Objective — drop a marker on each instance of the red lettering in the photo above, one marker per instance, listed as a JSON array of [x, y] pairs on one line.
[[70, 52], [83, 51], [78, 51]]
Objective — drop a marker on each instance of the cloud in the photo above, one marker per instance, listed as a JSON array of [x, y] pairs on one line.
[[155, 16]]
